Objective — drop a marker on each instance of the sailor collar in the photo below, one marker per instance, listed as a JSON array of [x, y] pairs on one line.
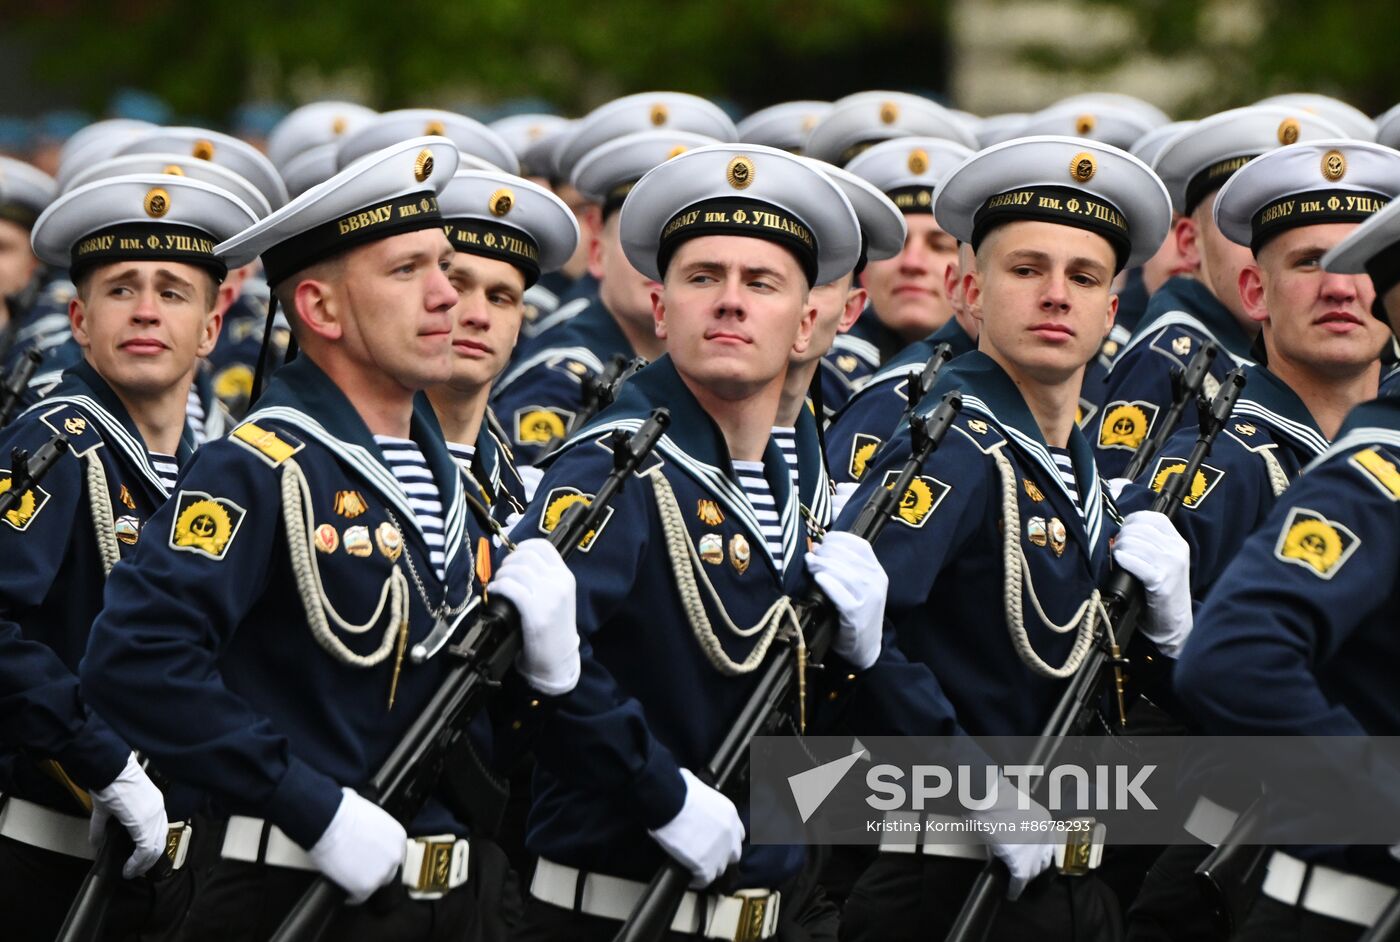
[[303, 397], [1269, 400], [590, 336], [1187, 302], [693, 442], [988, 393], [83, 388]]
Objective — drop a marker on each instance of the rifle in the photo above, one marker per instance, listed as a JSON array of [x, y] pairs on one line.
[[410, 773], [16, 383], [1187, 388], [1231, 875], [88, 913], [28, 472], [599, 392], [1124, 598], [929, 375], [783, 680]]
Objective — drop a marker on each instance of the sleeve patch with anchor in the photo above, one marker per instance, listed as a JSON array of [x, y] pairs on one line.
[[204, 524]]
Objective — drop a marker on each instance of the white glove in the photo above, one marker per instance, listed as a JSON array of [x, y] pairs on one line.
[[1149, 547], [511, 520], [844, 490], [133, 799], [1024, 861], [706, 836], [845, 568], [362, 848], [535, 578], [531, 477]]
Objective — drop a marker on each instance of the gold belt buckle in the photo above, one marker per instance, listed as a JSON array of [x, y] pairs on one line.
[[434, 875], [177, 843], [753, 912], [1079, 848]]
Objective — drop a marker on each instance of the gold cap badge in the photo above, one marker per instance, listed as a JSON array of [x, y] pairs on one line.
[[501, 202], [1288, 131], [338, 125], [1334, 165], [423, 165], [1082, 167], [434, 128], [889, 112], [918, 161], [203, 150], [677, 151], [174, 170], [1085, 123], [659, 114], [157, 203], [740, 172]]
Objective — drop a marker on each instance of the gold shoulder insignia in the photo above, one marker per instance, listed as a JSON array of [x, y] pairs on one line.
[[863, 448], [1319, 545], [561, 499], [204, 524], [234, 384], [270, 445], [30, 503], [1201, 485], [1379, 470], [538, 425], [920, 500], [81, 432], [1125, 424]]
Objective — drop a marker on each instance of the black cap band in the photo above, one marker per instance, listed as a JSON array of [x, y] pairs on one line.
[[1063, 205], [390, 218], [146, 242], [912, 199], [740, 217], [19, 214], [1212, 178], [1314, 208], [616, 197], [493, 240]]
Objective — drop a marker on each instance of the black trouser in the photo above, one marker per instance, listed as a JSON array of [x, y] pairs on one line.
[[1171, 905], [1272, 921], [37, 887], [804, 915], [917, 897], [247, 902]]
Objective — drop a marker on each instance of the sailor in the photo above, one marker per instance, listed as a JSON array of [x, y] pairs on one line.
[[541, 396], [266, 615], [24, 194], [141, 251], [1298, 637], [506, 232], [1052, 220], [1186, 313], [912, 288], [668, 112], [784, 125], [734, 235], [1321, 346], [907, 298]]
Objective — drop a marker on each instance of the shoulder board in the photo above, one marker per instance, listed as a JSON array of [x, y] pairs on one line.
[[571, 367], [1252, 437], [652, 460], [983, 434], [1176, 344], [81, 431], [272, 447], [1379, 469]]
